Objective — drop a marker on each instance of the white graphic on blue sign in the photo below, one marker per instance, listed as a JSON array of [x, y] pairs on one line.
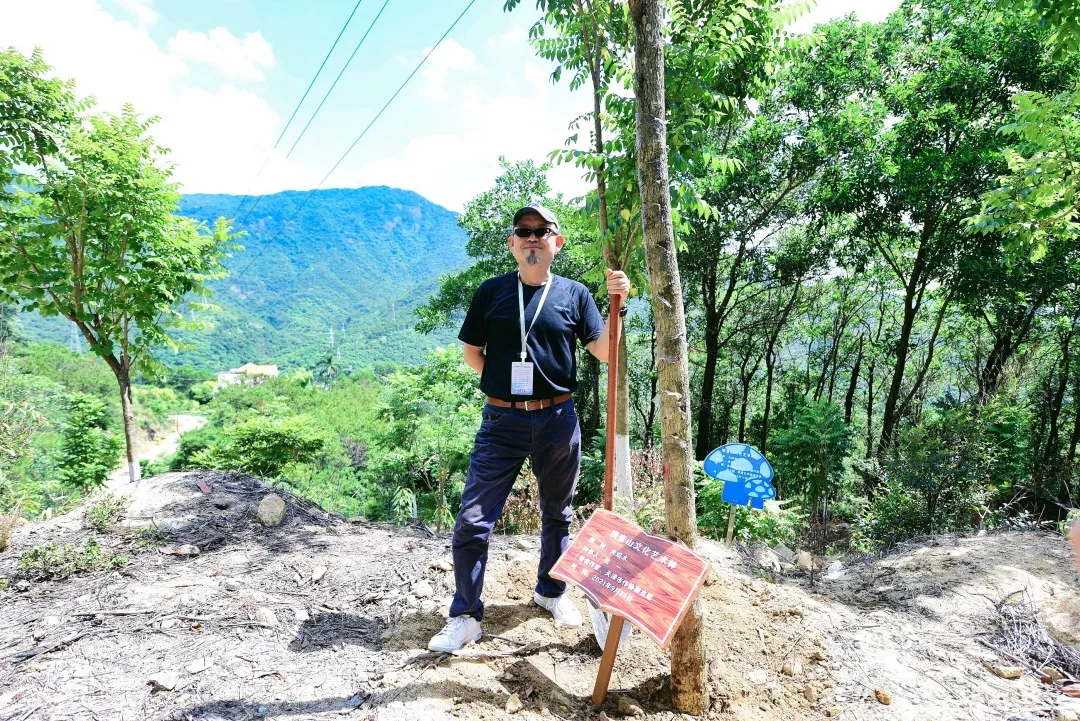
[[746, 473]]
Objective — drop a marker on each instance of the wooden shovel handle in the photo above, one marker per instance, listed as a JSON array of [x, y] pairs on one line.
[[614, 330]]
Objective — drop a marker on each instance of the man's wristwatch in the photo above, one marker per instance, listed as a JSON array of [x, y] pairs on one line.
[[622, 311]]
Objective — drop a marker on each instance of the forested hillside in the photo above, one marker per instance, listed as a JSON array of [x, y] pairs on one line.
[[354, 260]]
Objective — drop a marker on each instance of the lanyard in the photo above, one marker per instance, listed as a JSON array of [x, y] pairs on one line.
[[521, 309]]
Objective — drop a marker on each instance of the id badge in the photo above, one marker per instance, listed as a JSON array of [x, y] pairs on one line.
[[521, 378]]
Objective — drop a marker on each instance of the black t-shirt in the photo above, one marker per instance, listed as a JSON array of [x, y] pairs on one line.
[[493, 321]]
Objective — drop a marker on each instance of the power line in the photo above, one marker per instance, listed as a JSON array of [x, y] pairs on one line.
[[295, 111], [358, 139], [334, 85]]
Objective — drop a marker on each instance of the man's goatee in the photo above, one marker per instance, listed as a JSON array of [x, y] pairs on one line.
[[531, 258]]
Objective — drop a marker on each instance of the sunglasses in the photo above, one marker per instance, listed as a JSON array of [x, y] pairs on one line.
[[535, 232]]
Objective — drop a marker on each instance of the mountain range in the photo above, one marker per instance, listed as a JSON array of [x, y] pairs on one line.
[[342, 278]]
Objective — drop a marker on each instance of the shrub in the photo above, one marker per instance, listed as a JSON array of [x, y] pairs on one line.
[[263, 446], [193, 442], [936, 481], [810, 453], [105, 510], [774, 525], [53, 562], [88, 450]]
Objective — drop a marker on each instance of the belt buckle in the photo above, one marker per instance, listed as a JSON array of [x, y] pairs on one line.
[[533, 401]]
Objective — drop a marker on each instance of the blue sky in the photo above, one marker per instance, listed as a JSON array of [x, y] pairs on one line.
[[224, 75]]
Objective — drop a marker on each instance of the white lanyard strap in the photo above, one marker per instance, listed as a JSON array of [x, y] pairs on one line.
[[521, 309]]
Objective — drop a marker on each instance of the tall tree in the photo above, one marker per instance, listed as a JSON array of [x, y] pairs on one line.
[[689, 687], [938, 88], [87, 226]]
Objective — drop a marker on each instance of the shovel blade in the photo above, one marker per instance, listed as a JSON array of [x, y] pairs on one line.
[[601, 622]]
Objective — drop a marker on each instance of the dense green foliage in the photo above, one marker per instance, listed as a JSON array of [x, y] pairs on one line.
[[88, 451], [343, 278], [879, 242]]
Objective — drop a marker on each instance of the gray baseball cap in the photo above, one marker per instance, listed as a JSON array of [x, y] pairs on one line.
[[540, 210]]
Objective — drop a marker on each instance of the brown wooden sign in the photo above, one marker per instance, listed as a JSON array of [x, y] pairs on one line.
[[650, 581]]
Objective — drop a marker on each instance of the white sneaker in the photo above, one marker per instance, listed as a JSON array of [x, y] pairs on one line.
[[459, 631], [562, 608]]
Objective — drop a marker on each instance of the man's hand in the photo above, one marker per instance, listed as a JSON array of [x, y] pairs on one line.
[[618, 283]]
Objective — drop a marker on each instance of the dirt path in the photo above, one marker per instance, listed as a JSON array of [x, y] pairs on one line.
[[161, 447], [245, 631]]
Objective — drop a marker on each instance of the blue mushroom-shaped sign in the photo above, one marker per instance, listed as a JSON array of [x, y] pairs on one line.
[[746, 473]]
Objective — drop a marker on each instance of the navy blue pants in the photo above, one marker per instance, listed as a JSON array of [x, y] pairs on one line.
[[551, 437]]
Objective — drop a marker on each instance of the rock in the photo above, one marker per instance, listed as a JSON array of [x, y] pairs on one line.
[[200, 664], [185, 550], [422, 589], [810, 694], [164, 681], [167, 623], [513, 704], [429, 606], [757, 676], [787, 670], [785, 554], [266, 615], [1006, 672], [231, 584], [834, 571], [221, 503], [804, 561], [22, 585], [1052, 673], [317, 573], [629, 707], [442, 565], [768, 560], [301, 615], [1060, 615], [271, 510], [524, 544], [1067, 714], [882, 696]]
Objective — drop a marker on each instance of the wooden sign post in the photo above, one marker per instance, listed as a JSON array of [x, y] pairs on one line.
[[648, 580]]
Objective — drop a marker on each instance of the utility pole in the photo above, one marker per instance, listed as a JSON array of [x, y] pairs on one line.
[[689, 680]]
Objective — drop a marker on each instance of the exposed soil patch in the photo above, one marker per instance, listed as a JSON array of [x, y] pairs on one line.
[[244, 631]]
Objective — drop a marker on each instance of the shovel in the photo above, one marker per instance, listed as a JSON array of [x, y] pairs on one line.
[[601, 621]]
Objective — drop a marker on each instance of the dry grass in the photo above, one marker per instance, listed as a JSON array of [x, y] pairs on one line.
[[8, 522]]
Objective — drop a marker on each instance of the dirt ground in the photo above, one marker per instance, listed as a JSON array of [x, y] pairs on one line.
[[243, 631], [164, 444]]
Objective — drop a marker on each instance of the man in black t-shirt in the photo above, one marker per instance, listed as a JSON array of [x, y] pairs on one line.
[[519, 334]]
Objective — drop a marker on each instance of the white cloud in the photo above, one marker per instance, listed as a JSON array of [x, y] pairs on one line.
[[218, 136], [237, 59], [449, 57], [523, 123], [513, 37], [144, 13]]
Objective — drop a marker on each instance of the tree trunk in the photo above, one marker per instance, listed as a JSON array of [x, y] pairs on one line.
[[689, 680], [1074, 441], [870, 410], [892, 400], [853, 383], [770, 365], [123, 376], [712, 354]]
